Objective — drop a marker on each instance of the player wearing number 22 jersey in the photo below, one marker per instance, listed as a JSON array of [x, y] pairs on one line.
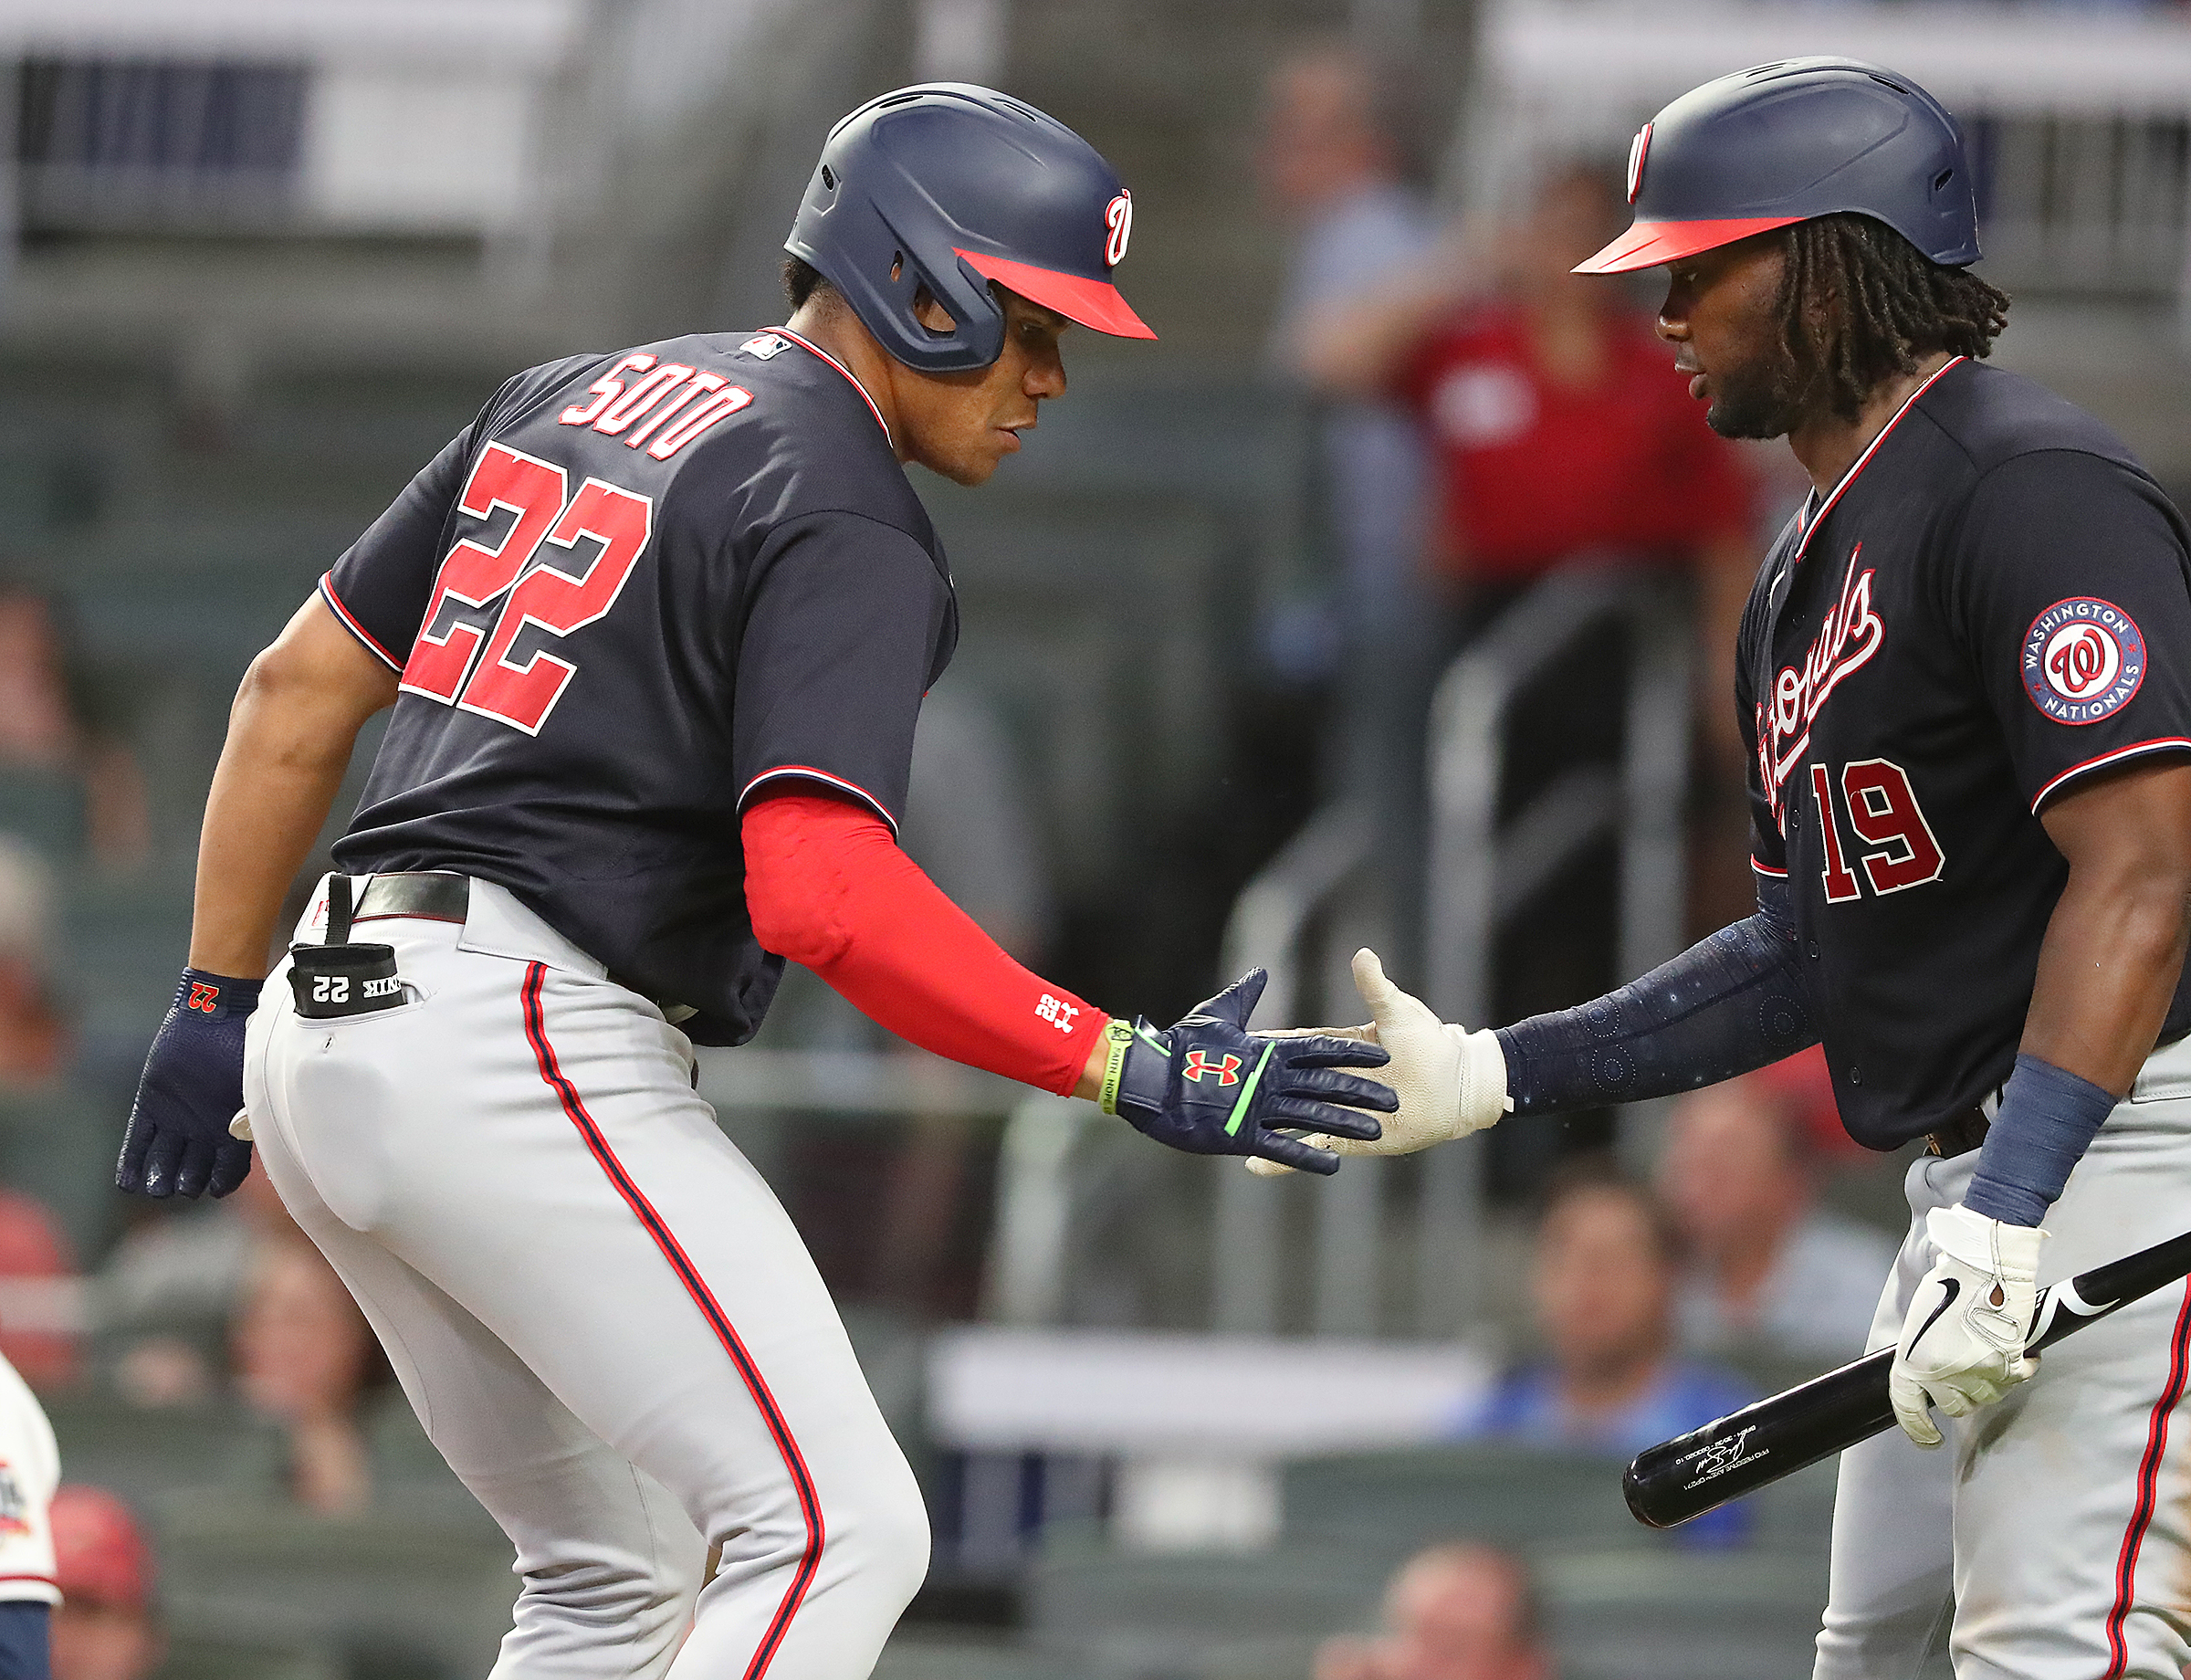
[[793, 608], [656, 629]]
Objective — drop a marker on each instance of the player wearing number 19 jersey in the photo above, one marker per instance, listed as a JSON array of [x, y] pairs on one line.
[[1964, 675], [1992, 605], [1954, 669]]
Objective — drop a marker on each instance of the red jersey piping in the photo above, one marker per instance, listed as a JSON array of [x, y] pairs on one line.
[[807, 773], [327, 589], [2165, 743], [787, 333], [1812, 522]]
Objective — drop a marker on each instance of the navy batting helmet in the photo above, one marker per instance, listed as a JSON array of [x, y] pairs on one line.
[[1786, 142], [953, 186]]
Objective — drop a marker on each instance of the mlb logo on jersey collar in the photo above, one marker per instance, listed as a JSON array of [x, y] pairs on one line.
[[761, 347]]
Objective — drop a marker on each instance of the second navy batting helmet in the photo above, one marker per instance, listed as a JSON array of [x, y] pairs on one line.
[[952, 186], [1789, 142]]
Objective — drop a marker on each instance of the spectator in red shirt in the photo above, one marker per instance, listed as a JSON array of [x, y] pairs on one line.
[[1558, 426], [1559, 430]]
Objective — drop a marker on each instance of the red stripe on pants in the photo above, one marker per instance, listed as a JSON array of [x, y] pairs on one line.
[[810, 1503], [2149, 1470]]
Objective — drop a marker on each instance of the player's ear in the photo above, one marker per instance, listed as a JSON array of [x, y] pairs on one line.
[[930, 313]]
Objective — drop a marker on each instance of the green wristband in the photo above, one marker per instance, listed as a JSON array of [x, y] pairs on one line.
[[1117, 1036]]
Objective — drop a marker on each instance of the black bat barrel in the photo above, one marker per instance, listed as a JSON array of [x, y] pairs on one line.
[[1695, 1472], [1740, 1452]]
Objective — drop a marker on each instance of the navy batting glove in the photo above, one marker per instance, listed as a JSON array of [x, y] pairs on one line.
[[1205, 1086], [178, 1142]]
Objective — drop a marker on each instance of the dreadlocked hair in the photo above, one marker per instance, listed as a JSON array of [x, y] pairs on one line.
[[1858, 304]]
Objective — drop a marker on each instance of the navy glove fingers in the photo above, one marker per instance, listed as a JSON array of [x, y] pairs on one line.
[[160, 1162], [1320, 1052], [231, 1166], [1285, 1109], [178, 1142], [1352, 1089], [129, 1170], [193, 1168], [1292, 1153], [1233, 1005]]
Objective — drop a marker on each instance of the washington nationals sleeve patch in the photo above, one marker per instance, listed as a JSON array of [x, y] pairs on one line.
[[2083, 659]]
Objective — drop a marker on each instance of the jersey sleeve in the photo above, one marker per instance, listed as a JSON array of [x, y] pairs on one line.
[[845, 618], [381, 585], [2071, 588]]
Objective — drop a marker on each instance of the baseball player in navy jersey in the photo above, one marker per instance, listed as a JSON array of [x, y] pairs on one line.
[[1965, 676], [656, 628]]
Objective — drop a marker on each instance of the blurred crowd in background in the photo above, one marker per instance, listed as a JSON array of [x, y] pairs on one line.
[[253, 285]]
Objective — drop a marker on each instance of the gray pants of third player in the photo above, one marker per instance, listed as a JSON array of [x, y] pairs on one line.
[[2053, 1528]]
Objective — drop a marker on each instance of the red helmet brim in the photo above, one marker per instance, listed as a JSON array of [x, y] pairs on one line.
[[1649, 243], [1093, 303]]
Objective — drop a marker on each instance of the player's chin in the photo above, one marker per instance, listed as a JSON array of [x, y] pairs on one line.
[[976, 465]]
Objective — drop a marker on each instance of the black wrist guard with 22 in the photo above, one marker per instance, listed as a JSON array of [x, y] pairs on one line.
[[1726, 1005]]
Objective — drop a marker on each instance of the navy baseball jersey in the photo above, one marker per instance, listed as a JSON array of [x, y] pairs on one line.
[[1993, 604], [636, 588]]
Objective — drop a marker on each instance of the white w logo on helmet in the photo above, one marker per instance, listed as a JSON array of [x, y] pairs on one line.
[[1638, 150], [1118, 216]]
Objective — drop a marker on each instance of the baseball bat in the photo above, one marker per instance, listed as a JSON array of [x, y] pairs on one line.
[[1745, 1450]]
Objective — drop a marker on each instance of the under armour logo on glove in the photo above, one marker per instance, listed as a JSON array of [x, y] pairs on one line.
[[1226, 1072], [1205, 1086]]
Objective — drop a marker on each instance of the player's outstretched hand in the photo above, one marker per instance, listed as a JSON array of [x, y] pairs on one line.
[[1961, 1342], [1205, 1086], [1449, 1081], [179, 1140]]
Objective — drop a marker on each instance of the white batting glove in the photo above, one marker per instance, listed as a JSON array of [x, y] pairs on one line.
[[1451, 1081], [1963, 1343]]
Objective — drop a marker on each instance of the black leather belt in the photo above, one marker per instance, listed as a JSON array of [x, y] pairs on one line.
[[430, 896], [1961, 1135]]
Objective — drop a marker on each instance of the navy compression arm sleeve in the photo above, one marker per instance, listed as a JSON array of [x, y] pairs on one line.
[[1721, 1008]]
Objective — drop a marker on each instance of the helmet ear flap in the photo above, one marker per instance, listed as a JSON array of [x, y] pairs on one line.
[[974, 308], [883, 297]]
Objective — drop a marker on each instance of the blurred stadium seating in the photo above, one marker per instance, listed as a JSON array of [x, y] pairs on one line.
[[209, 386]]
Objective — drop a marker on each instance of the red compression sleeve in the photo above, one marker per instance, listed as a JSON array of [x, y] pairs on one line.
[[828, 887]]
